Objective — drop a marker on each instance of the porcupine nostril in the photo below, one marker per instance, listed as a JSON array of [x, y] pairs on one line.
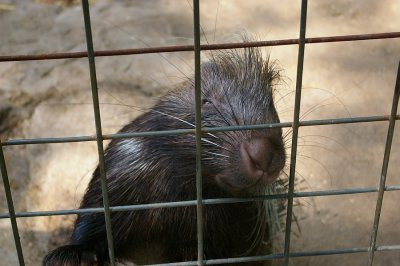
[[256, 158]]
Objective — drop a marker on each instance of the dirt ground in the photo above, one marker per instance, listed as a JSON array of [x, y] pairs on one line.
[[52, 99]]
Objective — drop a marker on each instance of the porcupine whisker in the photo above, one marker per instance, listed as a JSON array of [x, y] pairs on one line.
[[223, 132], [181, 120], [228, 142], [201, 27], [318, 162], [287, 135], [320, 105], [222, 116], [162, 113], [214, 160], [234, 116], [270, 215], [234, 138], [217, 154], [134, 38], [333, 95], [300, 179], [167, 60], [331, 139], [215, 22], [243, 107], [284, 96], [214, 144], [312, 109], [319, 146], [174, 117], [222, 159]]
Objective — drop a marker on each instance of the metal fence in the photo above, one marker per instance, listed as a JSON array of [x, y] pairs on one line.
[[99, 137]]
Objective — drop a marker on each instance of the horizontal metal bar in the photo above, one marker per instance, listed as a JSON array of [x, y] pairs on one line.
[[280, 256], [335, 121], [350, 120], [48, 140], [346, 191], [205, 201], [343, 251], [387, 248], [183, 48], [185, 263]]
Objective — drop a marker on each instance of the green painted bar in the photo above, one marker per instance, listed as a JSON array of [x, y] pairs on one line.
[[304, 194], [10, 205], [323, 122], [295, 132], [99, 135], [197, 84], [385, 165], [280, 256]]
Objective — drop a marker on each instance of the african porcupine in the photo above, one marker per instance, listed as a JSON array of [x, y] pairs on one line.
[[237, 89]]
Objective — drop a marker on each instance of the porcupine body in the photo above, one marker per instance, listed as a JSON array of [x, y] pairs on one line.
[[237, 89]]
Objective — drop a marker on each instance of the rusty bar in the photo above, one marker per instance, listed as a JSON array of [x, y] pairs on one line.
[[183, 48]]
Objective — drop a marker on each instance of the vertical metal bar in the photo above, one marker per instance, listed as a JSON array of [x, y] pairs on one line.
[[11, 209], [385, 164], [197, 82], [99, 135], [296, 117]]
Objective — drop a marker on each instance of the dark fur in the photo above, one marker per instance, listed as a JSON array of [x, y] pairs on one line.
[[236, 90]]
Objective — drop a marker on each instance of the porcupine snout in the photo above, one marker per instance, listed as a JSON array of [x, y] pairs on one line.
[[258, 160]]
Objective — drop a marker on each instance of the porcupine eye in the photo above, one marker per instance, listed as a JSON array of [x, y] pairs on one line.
[[206, 102], [208, 112], [207, 106]]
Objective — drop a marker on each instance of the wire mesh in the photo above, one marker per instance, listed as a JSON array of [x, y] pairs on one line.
[[199, 202]]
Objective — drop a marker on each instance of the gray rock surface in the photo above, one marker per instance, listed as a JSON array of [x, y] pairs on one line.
[[52, 98]]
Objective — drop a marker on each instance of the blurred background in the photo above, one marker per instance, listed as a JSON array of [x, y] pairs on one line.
[[52, 98]]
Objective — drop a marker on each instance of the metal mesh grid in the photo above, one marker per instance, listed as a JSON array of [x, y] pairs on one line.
[[200, 202]]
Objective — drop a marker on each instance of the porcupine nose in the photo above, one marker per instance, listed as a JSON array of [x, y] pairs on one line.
[[257, 156]]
